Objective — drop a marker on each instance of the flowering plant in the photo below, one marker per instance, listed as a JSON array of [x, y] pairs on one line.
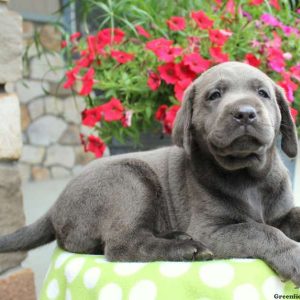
[[133, 78]]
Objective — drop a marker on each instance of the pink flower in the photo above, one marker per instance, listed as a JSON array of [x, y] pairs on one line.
[[121, 57], [154, 81], [217, 55], [87, 82], [127, 118], [63, 44], [167, 73], [142, 31], [196, 62], [289, 86], [230, 7], [275, 59], [194, 43], [270, 20], [295, 72], [176, 23], [219, 37], [202, 20]]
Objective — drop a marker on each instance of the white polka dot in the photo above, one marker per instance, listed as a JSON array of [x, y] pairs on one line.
[[101, 260], [245, 292], [73, 268], [61, 259], [144, 289], [91, 277], [110, 291], [243, 260], [271, 286], [217, 274], [126, 269], [68, 295], [52, 289], [174, 269]]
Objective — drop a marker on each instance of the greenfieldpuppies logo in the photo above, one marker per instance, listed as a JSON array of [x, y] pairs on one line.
[[294, 296]]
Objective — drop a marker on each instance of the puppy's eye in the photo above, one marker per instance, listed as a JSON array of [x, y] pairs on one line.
[[214, 95], [263, 93]]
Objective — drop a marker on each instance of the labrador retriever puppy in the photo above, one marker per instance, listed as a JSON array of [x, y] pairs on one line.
[[221, 190]]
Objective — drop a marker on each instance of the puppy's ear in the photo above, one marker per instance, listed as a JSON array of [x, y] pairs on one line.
[[289, 142], [181, 132]]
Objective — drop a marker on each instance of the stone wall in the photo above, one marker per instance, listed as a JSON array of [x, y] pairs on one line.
[[15, 282], [50, 115]]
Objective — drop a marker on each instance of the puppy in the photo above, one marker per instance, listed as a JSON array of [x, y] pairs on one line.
[[220, 189]]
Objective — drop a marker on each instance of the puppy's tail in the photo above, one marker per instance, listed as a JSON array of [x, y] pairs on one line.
[[39, 233]]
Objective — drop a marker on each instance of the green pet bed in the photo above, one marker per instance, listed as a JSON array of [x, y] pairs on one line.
[[84, 277]]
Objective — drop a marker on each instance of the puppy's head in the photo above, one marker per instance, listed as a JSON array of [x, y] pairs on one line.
[[236, 111]]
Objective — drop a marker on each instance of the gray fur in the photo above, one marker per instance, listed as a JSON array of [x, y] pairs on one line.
[[221, 188]]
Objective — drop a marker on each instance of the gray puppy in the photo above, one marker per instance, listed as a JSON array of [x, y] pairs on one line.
[[222, 188]]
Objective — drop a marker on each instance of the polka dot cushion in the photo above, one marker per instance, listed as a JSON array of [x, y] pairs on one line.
[[83, 277]]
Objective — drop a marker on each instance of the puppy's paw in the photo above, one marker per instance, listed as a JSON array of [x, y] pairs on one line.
[[193, 250]]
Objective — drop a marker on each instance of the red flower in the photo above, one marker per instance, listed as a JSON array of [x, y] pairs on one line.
[[202, 20], [161, 112], [256, 2], [169, 119], [183, 71], [87, 82], [91, 116], [168, 54], [167, 73], [219, 37], [74, 36], [176, 23], [196, 63], [252, 60], [217, 55], [71, 77], [276, 59], [154, 81], [180, 87], [109, 36], [275, 4], [194, 43], [157, 44], [294, 113], [122, 57], [112, 110], [95, 145], [142, 31], [63, 44], [91, 41]]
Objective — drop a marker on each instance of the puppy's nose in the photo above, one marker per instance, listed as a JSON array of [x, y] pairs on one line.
[[245, 114]]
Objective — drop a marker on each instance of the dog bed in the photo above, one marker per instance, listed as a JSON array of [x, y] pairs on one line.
[[83, 277]]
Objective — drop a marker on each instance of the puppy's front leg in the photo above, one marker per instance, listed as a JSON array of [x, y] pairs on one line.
[[258, 241], [290, 224]]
